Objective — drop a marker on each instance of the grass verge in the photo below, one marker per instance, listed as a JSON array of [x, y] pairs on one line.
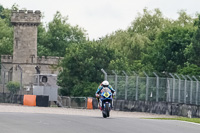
[[195, 120]]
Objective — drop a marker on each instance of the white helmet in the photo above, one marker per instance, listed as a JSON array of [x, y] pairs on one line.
[[105, 83]]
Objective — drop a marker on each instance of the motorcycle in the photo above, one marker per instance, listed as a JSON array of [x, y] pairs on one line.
[[106, 101]]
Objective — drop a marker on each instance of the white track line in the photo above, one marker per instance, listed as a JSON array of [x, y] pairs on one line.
[[190, 122]]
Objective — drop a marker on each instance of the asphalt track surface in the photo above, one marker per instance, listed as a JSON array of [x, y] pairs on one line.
[[15, 122]]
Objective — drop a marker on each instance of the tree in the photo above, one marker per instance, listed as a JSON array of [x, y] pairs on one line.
[[59, 36], [168, 50], [5, 13], [189, 69], [82, 65], [184, 19], [6, 38], [1, 10], [130, 46], [192, 51], [6, 30], [135, 42], [43, 50], [150, 23]]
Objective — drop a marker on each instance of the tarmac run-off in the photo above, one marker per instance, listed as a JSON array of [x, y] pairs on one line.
[[69, 111]]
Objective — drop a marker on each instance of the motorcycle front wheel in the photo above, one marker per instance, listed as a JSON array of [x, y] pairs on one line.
[[107, 110], [104, 114]]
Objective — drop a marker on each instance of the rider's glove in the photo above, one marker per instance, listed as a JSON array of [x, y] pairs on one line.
[[97, 95]]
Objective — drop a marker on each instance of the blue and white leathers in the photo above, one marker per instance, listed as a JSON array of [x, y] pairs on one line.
[[101, 87]]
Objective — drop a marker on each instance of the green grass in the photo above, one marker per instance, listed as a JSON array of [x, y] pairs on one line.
[[53, 106], [195, 120]]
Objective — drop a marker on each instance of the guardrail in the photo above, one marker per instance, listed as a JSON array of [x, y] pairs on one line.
[[74, 102]]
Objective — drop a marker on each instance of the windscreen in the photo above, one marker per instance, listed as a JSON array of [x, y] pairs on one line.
[[105, 89]]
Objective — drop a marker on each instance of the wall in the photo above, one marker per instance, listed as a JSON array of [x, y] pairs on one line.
[[158, 108], [28, 17], [7, 98], [7, 58], [50, 60]]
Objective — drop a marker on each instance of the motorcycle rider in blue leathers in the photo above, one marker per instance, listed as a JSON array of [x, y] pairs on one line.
[[104, 84]]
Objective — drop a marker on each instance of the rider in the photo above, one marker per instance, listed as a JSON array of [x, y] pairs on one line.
[[105, 83]]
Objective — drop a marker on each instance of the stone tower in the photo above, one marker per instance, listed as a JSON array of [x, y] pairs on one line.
[[25, 36], [24, 61], [25, 43]]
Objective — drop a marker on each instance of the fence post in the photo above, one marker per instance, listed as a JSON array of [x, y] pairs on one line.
[[69, 102], [197, 89], [185, 88], [20, 78], [126, 84], [147, 86], [136, 86], [157, 86], [191, 82], [4, 78], [179, 88], [105, 74], [174, 82], [86, 102], [168, 98], [115, 83], [38, 79]]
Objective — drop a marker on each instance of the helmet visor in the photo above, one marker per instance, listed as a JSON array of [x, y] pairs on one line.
[[105, 85]]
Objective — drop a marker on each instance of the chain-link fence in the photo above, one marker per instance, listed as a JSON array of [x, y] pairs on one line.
[[176, 88]]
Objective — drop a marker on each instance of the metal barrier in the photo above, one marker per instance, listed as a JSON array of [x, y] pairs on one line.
[[74, 102]]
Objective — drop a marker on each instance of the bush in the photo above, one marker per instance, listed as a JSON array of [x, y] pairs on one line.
[[13, 87]]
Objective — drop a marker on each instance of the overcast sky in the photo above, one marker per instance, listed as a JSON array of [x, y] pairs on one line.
[[101, 17]]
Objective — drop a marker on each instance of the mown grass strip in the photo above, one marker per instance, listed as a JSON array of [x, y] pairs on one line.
[[195, 120]]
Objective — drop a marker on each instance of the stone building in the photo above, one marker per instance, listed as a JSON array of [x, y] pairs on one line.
[[24, 61]]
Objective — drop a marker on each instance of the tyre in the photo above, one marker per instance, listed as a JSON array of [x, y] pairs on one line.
[[107, 109], [104, 114]]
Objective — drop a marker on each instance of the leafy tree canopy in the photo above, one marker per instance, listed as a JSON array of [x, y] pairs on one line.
[[59, 36], [82, 67], [168, 49]]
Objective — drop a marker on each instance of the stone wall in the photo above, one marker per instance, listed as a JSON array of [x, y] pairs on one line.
[[28, 71], [158, 108], [49, 60], [26, 17], [25, 44], [7, 58], [8, 98]]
